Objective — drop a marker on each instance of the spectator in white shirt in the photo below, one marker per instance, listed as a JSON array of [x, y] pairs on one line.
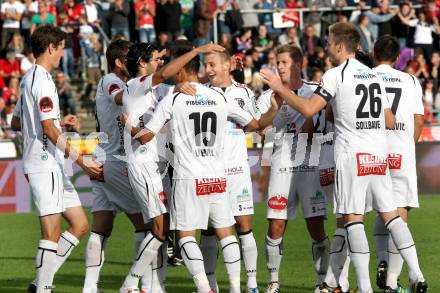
[[11, 13]]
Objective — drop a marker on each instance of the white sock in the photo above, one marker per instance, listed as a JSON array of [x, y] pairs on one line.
[[274, 253], [231, 258], [46, 261], [249, 253], [94, 261], [209, 248], [320, 253], [338, 257], [146, 281], [159, 268], [359, 254], [147, 252], [405, 244], [193, 258], [381, 237], [66, 244], [395, 264], [343, 278]]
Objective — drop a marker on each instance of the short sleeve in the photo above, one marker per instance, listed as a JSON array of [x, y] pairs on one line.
[[162, 114], [112, 88], [20, 7], [328, 86], [143, 85], [237, 113], [418, 98], [46, 99], [263, 102]]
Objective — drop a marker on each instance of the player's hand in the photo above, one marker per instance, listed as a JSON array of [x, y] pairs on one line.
[[210, 48], [186, 87], [271, 79], [236, 63], [275, 102], [91, 166], [70, 122]]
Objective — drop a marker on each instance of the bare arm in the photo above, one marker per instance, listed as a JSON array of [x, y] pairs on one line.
[[329, 113], [267, 118], [418, 125], [177, 64], [252, 126], [390, 119], [143, 135]]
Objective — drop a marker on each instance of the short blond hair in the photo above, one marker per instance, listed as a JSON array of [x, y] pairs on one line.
[[347, 34]]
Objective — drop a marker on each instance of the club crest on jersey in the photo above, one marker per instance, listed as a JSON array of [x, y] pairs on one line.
[[394, 161], [44, 156], [368, 164], [112, 88], [277, 202], [46, 104], [208, 186]]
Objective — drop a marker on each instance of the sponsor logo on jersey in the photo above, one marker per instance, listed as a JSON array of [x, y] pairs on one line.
[[327, 177], [201, 100], [394, 161], [163, 198], [368, 164], [364, 75], [46, 104], [244, 196], [388, 78], [112, 88], [44, 142], [319, 198], [277, 202], [121, 149], [234, 170], [208, 186], [44, 156], [204, 153]]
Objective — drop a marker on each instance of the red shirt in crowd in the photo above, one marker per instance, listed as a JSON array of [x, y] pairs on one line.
[[74, 11], [144, 17], [7, 68]]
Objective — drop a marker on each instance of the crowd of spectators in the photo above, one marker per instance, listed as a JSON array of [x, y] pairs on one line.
[[252, 36]]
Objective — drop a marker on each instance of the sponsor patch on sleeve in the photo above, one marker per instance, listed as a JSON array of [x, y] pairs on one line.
[[277, 202], [46, 104], [113, 88], [368, 164], [209, 186], [394, 161]]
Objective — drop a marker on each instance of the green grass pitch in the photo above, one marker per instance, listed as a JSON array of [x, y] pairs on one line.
[[20, 234]]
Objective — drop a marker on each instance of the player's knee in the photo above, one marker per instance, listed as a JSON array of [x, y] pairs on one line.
[[243, 226], [51, 234], [276, 229]]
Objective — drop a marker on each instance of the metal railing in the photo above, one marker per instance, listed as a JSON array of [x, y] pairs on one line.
[[301, 12]]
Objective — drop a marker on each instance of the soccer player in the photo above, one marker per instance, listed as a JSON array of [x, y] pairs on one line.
[[239, 184], [111, 189], [291, 179], [199, 183], [44, 148], [142, 165], [361, 112], [73, 213], [405, 94]]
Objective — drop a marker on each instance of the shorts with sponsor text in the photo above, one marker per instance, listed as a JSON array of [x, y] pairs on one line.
[[240, 192], [287, 188], [146, 182], [404, 178], [114, 193], [362, 183], [199, 204], [47, 191]]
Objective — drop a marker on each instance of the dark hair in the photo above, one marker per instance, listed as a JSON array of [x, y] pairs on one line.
[[365, 58], [138, 52], [44, 36], [361, 18], [347, 34], [181, 47], [295, 53], [117, 50], [386, 48]]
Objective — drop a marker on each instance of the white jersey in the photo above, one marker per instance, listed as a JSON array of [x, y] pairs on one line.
[[39, 101], [139, 102], [326, 128], [405, 95], [108, 120], [197, 130], [287, 124], [358, 98], [235, 146]]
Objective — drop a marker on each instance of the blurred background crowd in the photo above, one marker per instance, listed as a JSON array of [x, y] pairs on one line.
[[241, 28]]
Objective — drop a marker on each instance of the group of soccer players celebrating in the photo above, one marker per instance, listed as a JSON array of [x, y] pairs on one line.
[[348, 141]]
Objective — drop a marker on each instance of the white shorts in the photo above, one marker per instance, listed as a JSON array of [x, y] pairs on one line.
[[146, 182], [239, 187], [115, 193], [199, 204], [287, 188], [327, 180], [362, 183], [404, 178], [48, 192], [71, 198]]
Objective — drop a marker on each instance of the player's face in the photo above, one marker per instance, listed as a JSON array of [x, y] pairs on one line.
[[155, 62], [332, 49], [285, 66], [217, 70], [57, 53]]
